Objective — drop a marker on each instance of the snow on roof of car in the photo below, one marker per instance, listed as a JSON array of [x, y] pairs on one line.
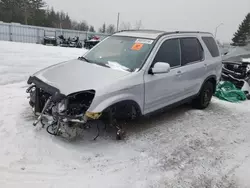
[[152, 34]]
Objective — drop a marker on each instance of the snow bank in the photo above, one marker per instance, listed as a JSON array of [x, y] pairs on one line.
[[179, 148], [24, 59]]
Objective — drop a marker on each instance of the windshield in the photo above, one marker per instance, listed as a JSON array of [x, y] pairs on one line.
[[125, 53]]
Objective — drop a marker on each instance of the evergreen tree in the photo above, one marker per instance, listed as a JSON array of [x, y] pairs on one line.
[[91, 29], [25, 7], [38, 4], [32, 12], [242, 33], [52, 19], [6, 10], [65, 20], [10, 11], [83, 26], [22, 11], [37, 13]]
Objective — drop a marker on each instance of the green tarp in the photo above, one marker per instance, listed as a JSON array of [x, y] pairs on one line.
[[227, 91]]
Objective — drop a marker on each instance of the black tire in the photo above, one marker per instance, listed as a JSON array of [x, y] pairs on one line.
[[79, 45], [205, 96], [120, 135]]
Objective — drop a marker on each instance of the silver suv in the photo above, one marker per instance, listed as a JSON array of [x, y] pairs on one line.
[[127, 75]]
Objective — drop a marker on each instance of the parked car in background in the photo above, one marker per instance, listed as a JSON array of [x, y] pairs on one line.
[[125, 76]]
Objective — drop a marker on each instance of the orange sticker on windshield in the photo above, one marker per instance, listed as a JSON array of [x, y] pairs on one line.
[[137, 46]]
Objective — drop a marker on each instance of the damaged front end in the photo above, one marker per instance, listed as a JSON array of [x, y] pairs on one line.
[[63, 113]]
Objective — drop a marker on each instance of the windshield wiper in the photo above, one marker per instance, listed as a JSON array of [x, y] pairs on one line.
[[87, 60], [101, 64], [84, 58]]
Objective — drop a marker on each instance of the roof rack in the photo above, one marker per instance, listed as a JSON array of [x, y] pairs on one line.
[[165, 32], [191, 32], [158, 34], [144, 30]]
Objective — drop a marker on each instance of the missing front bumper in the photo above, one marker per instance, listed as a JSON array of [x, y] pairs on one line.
[[47, 102]]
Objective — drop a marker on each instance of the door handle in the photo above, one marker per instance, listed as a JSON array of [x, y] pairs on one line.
[[205, 65], [179, 73]]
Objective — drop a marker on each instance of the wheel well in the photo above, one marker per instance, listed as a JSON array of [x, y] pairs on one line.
[[127, 109], [211, 79]]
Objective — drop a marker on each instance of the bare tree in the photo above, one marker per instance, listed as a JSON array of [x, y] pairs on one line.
[[125, 26], [102, 29], [82, 26], [74, 25], [110, 29], [138, 25]]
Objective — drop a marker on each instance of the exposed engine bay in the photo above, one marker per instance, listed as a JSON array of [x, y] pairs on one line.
[[62, 112], [65, 114]]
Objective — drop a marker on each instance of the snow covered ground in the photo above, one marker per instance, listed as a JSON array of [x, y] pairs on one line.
[[182, 148]]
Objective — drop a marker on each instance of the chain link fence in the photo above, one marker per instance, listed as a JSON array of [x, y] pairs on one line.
[[32, 34]]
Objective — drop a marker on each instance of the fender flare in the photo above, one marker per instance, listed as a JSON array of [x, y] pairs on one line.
[[103, 105], [211, 77]]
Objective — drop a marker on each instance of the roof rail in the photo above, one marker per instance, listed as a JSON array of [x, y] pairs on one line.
[[139, 30], [162, 31], [191, 32], [184, 32]]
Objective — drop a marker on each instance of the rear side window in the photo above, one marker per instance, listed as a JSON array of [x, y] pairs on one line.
[[169, 52], [212, 46], [191, 50]]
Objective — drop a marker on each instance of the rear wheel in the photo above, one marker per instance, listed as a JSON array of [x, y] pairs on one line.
[[205, 96]]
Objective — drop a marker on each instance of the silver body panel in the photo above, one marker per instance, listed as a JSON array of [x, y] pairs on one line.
[[150, 92]]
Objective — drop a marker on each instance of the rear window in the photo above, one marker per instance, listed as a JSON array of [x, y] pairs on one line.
[[191, 50], [212, 46]]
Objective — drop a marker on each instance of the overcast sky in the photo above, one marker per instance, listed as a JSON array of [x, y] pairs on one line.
[[202, 15]]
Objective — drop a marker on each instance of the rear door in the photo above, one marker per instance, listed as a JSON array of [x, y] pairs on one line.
[[213, 57], [193, 67]]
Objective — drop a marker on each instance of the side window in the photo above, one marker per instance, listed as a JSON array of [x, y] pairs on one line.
[[212, 46], [191, 50], [169, 52]]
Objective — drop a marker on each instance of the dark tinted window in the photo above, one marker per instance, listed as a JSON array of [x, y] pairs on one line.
[[169, 52], [211, 45], [191, 50]]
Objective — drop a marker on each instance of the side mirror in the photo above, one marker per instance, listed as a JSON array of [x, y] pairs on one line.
[[160, 68]]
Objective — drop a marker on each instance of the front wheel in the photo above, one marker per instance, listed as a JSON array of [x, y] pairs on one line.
[[204, 98]]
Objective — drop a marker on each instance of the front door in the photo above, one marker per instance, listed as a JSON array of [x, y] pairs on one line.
[[164, 89]]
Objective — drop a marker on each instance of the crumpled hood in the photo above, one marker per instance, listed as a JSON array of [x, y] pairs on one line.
[[76, 75]]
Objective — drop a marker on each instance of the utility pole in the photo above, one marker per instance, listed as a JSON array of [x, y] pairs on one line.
[[216, 29], [118, 20]]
